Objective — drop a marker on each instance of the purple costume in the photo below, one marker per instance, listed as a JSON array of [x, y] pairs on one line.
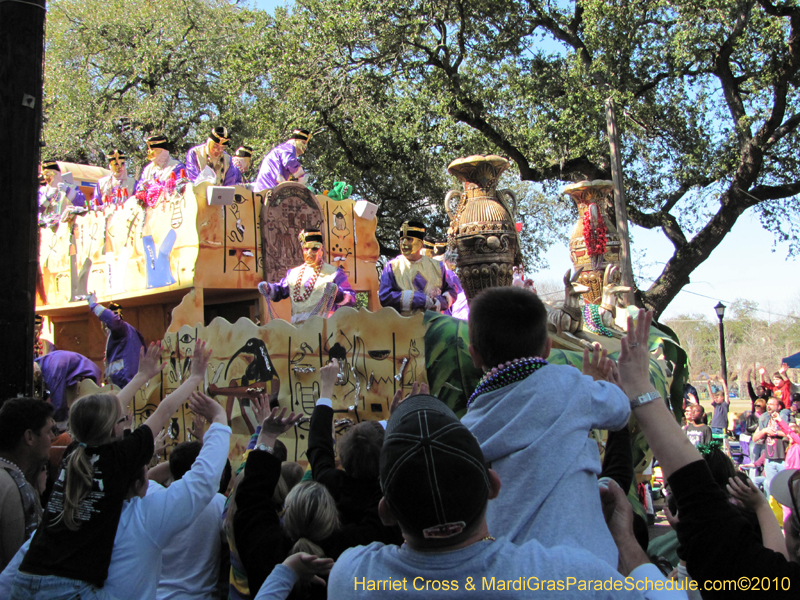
[[318, 302], [196, 161], [419, 281], [48, 195], [61, 369], [277, 166], [460, 308], [122, 348]]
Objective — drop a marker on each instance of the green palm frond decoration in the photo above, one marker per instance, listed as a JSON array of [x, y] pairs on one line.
[[451, 375]]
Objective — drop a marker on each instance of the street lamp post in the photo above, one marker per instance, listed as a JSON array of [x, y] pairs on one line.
[[720, 309]]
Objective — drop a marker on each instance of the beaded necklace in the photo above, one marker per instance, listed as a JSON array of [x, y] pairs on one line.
[[5, 460], [505, 374], [593, 320], [302, 292]]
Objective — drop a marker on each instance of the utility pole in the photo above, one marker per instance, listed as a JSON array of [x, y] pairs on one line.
[[620, 206], [21, 73]]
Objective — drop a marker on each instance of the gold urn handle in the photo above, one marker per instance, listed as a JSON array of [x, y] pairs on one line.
[[512, 211], [452, 208]]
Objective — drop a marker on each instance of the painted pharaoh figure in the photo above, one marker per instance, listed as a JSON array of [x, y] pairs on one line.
[[212, 154], [282, 162], [161, 164], [114, 189], [411, 282], [315, 287], [57, 198]]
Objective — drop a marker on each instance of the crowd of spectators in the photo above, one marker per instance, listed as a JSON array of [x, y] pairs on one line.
[[512, 499]]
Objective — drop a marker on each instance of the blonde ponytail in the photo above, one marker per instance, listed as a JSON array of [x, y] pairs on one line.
[[91, 423]]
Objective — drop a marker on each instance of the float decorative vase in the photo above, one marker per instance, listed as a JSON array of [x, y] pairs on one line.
[[594, 241], [482, 229]]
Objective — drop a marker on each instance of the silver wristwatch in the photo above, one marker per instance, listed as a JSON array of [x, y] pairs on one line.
[[644, 399]]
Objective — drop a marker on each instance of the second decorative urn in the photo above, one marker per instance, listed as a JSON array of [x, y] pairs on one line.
[[482, 225]]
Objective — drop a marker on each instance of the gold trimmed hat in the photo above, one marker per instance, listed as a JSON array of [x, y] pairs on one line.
[[415, 229], [51, 165], [244, 152], [220, 136], [310, 235], [115, 155], [157, 140], [304, 135]]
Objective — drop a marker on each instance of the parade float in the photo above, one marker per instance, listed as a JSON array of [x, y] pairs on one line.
[[185, 262]]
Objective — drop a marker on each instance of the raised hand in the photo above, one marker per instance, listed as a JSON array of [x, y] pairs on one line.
[[327, 378], [634, 356], [260, 406], [598, 364], [200, 359], [277, 423], [150, 363], [208, 408], [746, 493], [417, 388], [160, 442], [91, 298], [198, 427]]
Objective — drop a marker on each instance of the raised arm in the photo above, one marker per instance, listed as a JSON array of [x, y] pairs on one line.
[[150, 365], [180, 504], [256, 526], [321, 455], [111, 319], [667, 440], [751, 497], [172, 402], [727, 398], [707, 519]]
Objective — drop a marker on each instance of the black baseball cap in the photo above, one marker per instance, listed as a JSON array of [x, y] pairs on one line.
[[432, 470]]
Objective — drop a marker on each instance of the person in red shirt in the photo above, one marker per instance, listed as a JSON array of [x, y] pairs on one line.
[[780, 386]]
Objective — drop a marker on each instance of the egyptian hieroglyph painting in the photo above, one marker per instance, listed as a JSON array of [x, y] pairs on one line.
[[378, 353]]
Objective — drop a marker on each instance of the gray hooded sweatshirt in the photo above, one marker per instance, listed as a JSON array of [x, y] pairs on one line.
[[535, 434]]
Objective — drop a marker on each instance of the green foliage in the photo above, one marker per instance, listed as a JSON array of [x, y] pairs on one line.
[[134, 67], [451, 375]]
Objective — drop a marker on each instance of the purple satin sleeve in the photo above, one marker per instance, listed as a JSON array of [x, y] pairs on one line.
[[390, 294], [280, 290], [112, 320], [453, 280], [232, 176], [448, 288], [192, 166], [79, 199], [279, 163], [345, 295]]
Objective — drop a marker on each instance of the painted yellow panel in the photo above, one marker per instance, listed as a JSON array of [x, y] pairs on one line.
[[284, 360]]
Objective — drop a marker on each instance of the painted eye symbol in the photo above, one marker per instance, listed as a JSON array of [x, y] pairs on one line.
[[186, 338]]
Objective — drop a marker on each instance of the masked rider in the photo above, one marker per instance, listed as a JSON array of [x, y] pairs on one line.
[[315, 287]]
